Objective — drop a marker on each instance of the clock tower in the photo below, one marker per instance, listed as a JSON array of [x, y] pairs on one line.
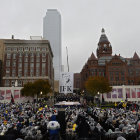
[[104, 46]]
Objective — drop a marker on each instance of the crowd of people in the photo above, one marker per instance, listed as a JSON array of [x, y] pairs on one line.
[[38, 121]]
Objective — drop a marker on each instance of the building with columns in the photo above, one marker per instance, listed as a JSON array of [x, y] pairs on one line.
[[117, 69], [25, 61]]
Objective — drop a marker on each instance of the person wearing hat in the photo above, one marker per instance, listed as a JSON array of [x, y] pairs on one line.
[[53, 127]]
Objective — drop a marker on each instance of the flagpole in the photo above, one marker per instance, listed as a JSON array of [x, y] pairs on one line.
[[67, 59]]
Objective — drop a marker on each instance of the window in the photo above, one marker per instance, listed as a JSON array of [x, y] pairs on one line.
[[43, 49], [26, 54], [19, 74], [37, 65], [117, 73], [111, 78], [31, 72], [32, 54], [122, 78], [37, 71], [32, 59], [19, 71], [32, 65], [7, 71], [43, 71], [25, 59], [32, 49], [26, 48], [100, 73], [8, 63], [38, 54], [8, 49], [13, 72], [137, 72], [25, 72], [19, 83], [14, 55], [8, 56], [25, 65], [37, 59], [20, 54], [7, 83], [38, 48], [43, 65], [20, 60], [13, 83], [117, 78], [111, 73], [20, 49], [20, 65], [14, 49], [122, 73], [43, 54]]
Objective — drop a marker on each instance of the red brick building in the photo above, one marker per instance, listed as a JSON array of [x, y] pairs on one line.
[[117, 69], [25, 61]]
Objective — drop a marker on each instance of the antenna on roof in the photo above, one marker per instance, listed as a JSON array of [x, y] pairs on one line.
[[67, 59], [12, 36], [103, 31]]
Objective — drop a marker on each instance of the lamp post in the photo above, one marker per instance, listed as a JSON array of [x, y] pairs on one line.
[[99, 99], [41, 94]]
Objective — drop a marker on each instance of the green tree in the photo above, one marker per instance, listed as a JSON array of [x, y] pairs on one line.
[[97, 84], [35, 88]]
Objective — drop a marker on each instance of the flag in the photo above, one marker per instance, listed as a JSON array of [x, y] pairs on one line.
[[12, 99], [114, 93], [16, 94], [138, 92], [127, 90], [133, 93], [2, 94], [120, 95], [109, 95], [8, 94]]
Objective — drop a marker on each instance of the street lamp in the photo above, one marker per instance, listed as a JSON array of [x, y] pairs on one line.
[[99, 98], [41, 94]]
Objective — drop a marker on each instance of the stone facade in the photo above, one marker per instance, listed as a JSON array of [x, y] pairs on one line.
[[117, 69], [25, 61]]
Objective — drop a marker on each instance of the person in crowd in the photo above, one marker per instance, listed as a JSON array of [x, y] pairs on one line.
[[30, 121], [53, 127], [83, 128]]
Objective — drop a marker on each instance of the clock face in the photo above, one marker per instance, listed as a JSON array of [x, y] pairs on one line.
[[105, 45]]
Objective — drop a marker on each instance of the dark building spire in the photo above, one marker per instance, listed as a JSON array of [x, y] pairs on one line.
[[135, 57], [92, 57], [104, 46], [103, 37]]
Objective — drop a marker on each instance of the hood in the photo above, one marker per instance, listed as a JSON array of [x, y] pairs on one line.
[[53, 118]]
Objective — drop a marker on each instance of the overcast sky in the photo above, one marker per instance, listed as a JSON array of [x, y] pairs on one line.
[[82, 21]]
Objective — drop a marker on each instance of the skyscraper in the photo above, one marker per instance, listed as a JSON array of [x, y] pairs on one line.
[[52, 32]]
